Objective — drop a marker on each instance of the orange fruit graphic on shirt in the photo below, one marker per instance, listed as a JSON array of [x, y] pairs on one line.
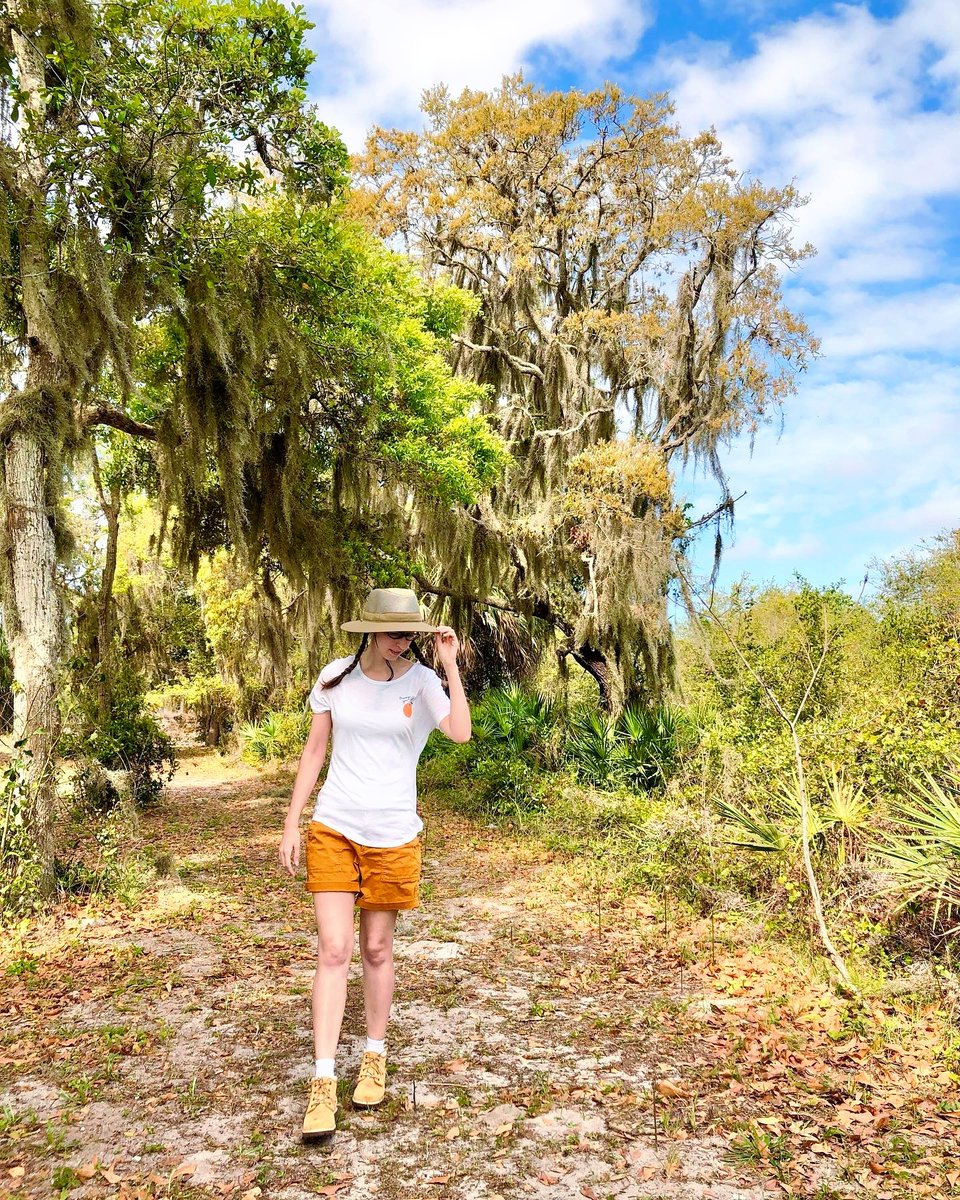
[[408, 709]]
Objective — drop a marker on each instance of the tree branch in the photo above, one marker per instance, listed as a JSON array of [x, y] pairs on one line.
[[571, 429], [724, 506], [518, 364], [541, 609], [106, 414]]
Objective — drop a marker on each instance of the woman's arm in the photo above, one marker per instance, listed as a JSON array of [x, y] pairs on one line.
[[311, 763], [456, 725]]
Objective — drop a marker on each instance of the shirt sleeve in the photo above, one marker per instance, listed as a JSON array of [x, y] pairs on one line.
[[319, 699], [436, 702]]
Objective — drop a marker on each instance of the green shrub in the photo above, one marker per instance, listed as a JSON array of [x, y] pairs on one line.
[[133, 741], [594, 749], [501, 772], [500, 785], [101, 864], [524, 747], [277, 736], [516, 721], [93, 790], [638, 749], [839, 817], [211, 702], [19, 867], [129, 740]]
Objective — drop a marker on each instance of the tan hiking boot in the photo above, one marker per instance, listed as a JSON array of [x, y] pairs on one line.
[[321, 1109], [372, 1080]]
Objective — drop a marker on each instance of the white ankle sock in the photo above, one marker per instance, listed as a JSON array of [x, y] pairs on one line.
[[375, 1047], [324, 1068]]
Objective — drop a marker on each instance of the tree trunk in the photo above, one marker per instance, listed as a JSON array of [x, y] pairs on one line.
[[594, 662], [110, 507], [105, 619], [32, 600], [33, 615]]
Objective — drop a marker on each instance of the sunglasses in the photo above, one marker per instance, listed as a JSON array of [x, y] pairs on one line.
[[402, 637]]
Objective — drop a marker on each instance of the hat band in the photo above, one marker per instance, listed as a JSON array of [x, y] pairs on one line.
[[382, 617]]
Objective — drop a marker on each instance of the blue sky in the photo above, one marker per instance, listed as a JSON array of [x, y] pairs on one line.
[[859, 105]]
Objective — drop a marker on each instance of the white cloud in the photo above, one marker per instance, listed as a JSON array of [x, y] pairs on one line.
[[839, 102], [377, 56], [920, 320], [863, 113], [782, 550], [866, 467], [928, 515]]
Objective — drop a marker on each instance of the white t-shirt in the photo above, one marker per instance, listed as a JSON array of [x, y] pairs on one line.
[[380, 728]]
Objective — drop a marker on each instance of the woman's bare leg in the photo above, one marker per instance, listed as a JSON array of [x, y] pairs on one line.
[[376, 953], [334, 950]]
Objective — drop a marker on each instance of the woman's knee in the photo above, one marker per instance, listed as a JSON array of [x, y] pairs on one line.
[[334, 954], [376, 951]]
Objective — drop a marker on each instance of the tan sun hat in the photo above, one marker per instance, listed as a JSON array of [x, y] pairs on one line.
[[391, 610]]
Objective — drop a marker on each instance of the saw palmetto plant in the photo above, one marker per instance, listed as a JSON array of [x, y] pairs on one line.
[[924, 853], [837, 818]]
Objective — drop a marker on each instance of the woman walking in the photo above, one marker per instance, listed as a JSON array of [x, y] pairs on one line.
[[362, 843]]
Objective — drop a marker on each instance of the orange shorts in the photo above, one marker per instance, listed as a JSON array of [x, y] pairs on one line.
[[384, 878]]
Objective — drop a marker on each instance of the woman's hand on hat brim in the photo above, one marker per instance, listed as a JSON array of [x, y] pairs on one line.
[[447, 645]]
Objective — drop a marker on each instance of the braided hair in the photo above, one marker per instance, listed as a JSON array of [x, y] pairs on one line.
[[414, 649], [332, 683]]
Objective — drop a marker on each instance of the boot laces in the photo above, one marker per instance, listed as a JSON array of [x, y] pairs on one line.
[[322, 1091], [370, 1067]]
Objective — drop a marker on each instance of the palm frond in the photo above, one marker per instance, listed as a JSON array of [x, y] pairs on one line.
[[791, 798], [593, 747], [924, 854], [762, 835], [846, 804]]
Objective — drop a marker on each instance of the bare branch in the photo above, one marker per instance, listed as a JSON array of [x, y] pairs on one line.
[[725, 506], [568, 430], [115, 418], [518, 364], [540, 609]]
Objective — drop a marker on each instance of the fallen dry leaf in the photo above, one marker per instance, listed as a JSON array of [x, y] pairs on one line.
[[456, 1066], [546, 1177], [439, 1179], [19, 1172], [110, 1175], [182, 1170], [672, 1090], [88, 1170]]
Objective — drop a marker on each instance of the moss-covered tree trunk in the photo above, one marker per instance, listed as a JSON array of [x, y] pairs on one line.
[[34, 432], [32, 611]]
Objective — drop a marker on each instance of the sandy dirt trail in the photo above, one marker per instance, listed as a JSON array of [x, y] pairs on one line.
[[165, 1050]]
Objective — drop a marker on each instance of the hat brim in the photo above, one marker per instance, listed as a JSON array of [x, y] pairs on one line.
[[393, 626]]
